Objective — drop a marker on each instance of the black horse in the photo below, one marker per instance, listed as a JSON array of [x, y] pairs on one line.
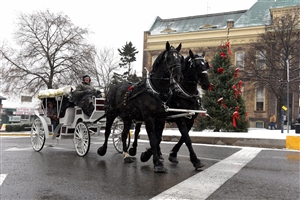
[[185, 96], [145, 101]]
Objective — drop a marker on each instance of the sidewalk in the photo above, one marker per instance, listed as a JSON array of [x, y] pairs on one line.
[[263, 138]]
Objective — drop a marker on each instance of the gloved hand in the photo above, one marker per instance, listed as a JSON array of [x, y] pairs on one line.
[[98, 94]]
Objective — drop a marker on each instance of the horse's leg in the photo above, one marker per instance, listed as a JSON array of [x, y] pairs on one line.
[[186, 137], [151, 132], [126, 129], [146, 155], [132, 150], [174, 151], [109, 121]]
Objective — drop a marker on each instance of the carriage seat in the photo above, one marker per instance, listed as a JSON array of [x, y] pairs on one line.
[[47, 119], [69, 116], [49, 124]]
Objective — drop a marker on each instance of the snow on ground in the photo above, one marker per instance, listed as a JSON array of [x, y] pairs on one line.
[[252, 133]]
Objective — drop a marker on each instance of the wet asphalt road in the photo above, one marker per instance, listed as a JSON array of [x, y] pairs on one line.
[[59, 173]]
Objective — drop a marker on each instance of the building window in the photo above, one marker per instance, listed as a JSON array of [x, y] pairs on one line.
[[260, 56], [260, 96], [239, 59], [259, 124]]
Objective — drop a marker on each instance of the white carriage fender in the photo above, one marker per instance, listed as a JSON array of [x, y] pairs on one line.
[[45, 126]]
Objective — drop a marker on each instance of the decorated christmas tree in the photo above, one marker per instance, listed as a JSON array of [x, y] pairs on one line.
[[223, 101]]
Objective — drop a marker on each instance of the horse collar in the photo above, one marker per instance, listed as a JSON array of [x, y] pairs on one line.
[[151, 89], [180, 90]]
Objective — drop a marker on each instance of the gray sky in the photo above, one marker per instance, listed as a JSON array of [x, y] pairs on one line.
[[115, 22]]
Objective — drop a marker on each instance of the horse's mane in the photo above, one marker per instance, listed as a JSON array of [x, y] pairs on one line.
[[157, 61]]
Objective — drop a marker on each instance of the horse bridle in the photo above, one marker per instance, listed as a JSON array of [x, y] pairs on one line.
[[180, 89], [176, 54], [170, 68]]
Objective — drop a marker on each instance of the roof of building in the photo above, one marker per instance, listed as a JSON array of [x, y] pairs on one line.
[[2, 98], [257, 15]]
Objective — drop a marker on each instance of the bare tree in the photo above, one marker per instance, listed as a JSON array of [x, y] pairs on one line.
[[51, 52], [103, 68], [278, 48]]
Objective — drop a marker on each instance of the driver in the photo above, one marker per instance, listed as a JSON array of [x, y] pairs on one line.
[[83, 95]]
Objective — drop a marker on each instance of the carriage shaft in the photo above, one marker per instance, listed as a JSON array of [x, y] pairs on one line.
[[185, 110], [181, 115]]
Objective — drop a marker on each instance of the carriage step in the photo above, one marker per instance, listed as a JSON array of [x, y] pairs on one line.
[[56, 130]]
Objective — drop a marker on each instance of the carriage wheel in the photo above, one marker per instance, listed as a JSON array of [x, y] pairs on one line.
[[37, 135], [82, 139], [117, 136]]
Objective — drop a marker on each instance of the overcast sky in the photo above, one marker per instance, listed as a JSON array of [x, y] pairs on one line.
[[115, 22]]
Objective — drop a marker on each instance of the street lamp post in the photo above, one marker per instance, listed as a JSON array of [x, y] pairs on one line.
[[287, 94]]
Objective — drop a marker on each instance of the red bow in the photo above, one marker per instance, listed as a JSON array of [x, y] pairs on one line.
[[223, 104], [223, 55], [236, 92], [211, 87], [235, 116], [236, 72], [227, 45], [240, 84], [220, 100], [220, 70]]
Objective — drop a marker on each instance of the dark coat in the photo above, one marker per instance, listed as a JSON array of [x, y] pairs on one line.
[[83, 97]]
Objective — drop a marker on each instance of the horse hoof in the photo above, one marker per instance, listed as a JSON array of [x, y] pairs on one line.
[[160, 169], [145, 156], [101, 151], [132, 151], [173, 159], [128, 160], [198, 164]]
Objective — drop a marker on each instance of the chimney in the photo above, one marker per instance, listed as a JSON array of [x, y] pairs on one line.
[[230, 23]]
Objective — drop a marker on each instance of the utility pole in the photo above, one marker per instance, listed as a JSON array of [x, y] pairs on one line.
[[287, 93]]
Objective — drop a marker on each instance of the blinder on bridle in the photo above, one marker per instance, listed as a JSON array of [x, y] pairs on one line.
[[204, 64], [176, 55]]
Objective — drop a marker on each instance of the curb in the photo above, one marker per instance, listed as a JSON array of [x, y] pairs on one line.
[[293, 142], [14, 134]]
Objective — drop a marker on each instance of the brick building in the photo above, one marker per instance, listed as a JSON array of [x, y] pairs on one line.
[[207, 32]]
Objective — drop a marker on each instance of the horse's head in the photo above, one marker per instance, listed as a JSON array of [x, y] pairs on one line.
[[201, 67], [174, 60]]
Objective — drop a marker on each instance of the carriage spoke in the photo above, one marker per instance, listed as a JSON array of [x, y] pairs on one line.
[[37, 135], [81, 139]]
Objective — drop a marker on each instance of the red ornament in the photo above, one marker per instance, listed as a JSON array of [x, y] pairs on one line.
[[223, 55], [236, 72], [202, 114], [240, 84], [220, 70], [211, 87], [235, 116]]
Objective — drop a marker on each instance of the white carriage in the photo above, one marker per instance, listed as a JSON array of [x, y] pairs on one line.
[[71, 122]]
